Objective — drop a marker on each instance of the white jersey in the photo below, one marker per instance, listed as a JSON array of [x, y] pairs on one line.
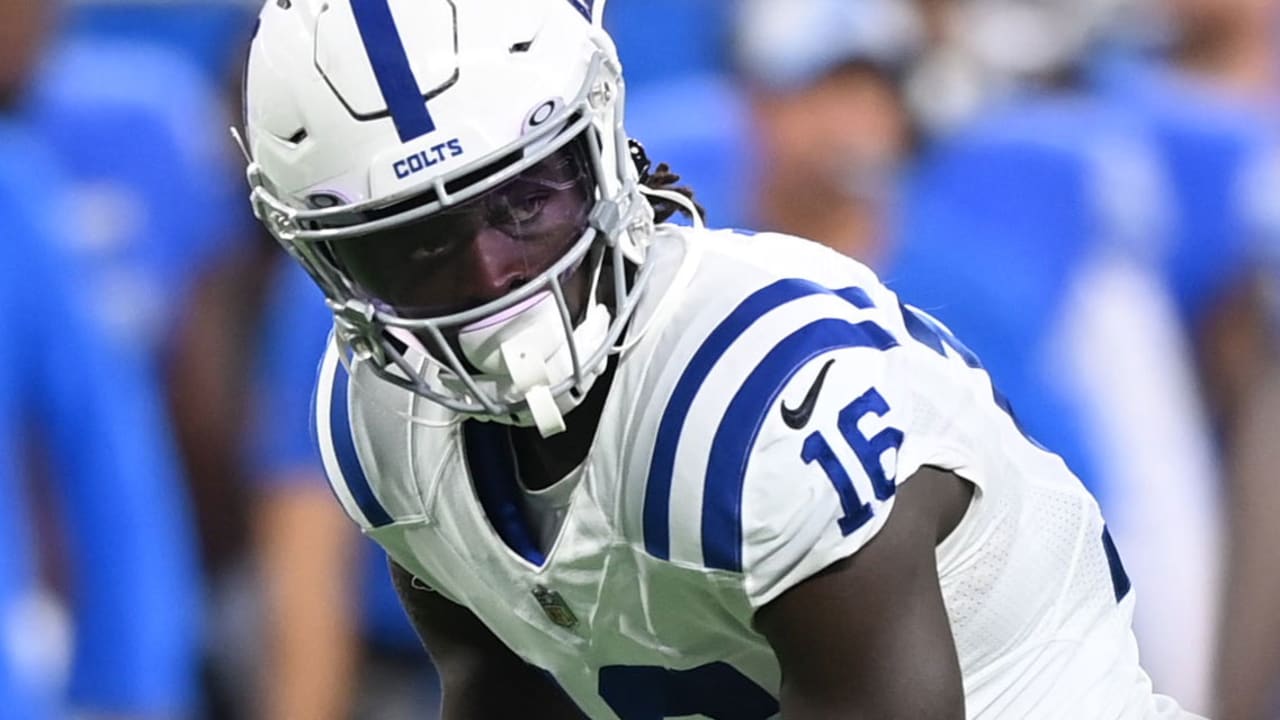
[[754, 435]]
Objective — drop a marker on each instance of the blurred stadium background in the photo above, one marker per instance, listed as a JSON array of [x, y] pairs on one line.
[[1085, 190]]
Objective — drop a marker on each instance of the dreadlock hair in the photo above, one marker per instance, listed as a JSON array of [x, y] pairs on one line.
[[662, 178]]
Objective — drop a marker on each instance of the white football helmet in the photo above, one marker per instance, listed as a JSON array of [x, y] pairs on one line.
[[376, 127]]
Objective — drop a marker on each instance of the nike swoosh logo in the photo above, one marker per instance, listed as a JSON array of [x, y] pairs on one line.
[[798, 417]]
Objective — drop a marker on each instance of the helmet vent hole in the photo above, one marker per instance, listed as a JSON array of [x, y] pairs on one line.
[[521, 47], [323, 201], [298, 137]]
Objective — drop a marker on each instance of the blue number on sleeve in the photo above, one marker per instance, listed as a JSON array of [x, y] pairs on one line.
[[856, 512], [869, 450], [816, 448], [716, 690]]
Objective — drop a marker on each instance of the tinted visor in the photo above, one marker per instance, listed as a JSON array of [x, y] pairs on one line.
[[476, 252]]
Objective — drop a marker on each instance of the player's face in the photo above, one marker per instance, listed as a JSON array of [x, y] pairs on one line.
[[835, 137], [477, 252]]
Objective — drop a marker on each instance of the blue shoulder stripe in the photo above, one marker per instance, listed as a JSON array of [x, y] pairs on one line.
[[745, 415], [657, 499], [584, 7], [1119, 578], [344, 448], [385, 48]]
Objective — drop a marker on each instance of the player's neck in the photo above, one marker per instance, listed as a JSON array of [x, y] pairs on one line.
[[544, 461]]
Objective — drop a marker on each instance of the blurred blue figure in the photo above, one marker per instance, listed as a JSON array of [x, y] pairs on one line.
[[306, 541], [142, 133], [1036, 234], [1210, 147], [807, 135], [1040, 226], [135, 112], [1056, 210], [711, 155], [1210, 102], [664, 41], [134, 596], [205, 32], [687, 69], [1030, 191]]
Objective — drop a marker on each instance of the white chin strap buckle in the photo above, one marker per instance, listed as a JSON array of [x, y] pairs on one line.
[[521, 343], [528, 372], [526, 350]]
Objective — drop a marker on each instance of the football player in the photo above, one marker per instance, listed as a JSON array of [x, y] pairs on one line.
[[636, 470]]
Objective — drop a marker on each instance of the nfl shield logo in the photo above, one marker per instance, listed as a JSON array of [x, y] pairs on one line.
[[555, 607]]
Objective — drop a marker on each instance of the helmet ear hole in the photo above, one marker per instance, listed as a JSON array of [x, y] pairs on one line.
[[323, 201]]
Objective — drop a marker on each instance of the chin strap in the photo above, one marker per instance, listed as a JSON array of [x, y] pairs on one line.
[[529, 375], [526, 352], [528, 371]]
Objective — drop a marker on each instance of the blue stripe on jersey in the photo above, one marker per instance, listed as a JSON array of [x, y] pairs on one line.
[[344, 447], [745, 415], [584, 7], [493, 470], [657, 499], [856, 297], [1119, 578], [390, 63]]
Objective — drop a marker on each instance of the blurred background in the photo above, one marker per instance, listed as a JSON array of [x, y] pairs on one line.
[[1086, 191]]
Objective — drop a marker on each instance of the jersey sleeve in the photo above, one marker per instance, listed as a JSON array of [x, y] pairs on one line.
[[776, 451], [820, 478]]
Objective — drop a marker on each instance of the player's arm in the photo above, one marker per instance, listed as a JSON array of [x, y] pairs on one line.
[[481, 678], [1241, 370], [307, 552], [868, 637]]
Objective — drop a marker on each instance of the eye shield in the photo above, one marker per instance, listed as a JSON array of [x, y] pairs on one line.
[[459, 257]]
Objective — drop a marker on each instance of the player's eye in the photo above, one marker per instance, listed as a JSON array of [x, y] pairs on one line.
[[521, 207]]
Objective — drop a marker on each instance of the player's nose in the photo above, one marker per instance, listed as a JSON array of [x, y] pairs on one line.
[[494, 265]]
